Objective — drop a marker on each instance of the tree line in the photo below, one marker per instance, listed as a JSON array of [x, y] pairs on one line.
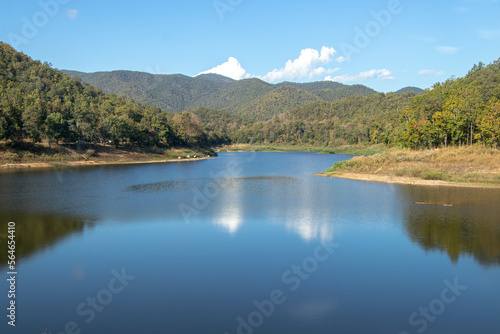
[[460, 111], [464, 111], [38, 102]]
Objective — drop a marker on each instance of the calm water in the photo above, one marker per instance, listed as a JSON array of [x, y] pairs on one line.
[[248, 243]]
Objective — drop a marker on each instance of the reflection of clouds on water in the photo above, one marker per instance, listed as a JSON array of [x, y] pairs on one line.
[[310, 229], [290, 201], [229, 214], [306, 219]]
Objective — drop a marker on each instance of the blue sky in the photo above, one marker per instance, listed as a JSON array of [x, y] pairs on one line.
[[384, 44]]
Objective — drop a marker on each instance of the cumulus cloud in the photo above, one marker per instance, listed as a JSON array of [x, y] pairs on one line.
[[489, 34], [307, 65], [447, 50], [72, 13], [382, 74], [231, 69], [341, 59], [431, 73]]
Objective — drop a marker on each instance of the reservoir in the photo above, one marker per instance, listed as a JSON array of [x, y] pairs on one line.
[[247, 243]]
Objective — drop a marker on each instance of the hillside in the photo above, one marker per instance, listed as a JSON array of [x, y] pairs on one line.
[[39, 103], [174, 92], [458, 112], [336, 94], [277, 102], [463, 111], [178, 92], [352, 120], [416, 90]]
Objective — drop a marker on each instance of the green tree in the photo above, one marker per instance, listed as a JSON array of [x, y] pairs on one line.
[[56, 126]]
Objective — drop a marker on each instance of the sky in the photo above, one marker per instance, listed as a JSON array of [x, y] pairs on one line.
[[385, 45]]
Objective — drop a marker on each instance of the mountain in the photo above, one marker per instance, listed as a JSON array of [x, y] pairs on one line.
[[175, 92], [244, 97], [215, 77], [416, 90], [38, 102], [278, 101]]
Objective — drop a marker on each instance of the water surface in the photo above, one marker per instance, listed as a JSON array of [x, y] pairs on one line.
[[207, 241]]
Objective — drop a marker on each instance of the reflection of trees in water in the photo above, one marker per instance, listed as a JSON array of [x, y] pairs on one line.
[[35, 233], [470, 227]]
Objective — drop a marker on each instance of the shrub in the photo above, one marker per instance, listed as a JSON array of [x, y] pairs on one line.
[[90, 153], [13, 156], [433, 175]]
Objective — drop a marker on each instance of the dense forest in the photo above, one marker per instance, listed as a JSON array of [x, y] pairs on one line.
[[462, 111], [251, 97], [352, 120], [38, 102], [456, 112]]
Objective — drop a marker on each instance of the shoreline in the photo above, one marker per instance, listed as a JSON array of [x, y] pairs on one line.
[[69, 164], [411, 181]]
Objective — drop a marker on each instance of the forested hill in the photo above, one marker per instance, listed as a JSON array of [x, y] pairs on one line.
[[252, 97], [416, 90], [462, 111], [459, 111], [38, 102]]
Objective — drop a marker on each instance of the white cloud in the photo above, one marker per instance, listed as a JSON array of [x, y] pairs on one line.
[[431, 73], [72, 13], [307, 65], [332, 70], [231, 69], [341, 59], [489, 34], [447, 50], [382, 74]]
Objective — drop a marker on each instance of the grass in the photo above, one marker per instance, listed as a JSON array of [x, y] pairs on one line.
[[345, 149], [27, 153], [360, 149], [477, 164]]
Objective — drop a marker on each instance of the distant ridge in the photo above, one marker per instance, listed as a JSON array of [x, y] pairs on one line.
[[416, 90], [253, 97], [215, 77]]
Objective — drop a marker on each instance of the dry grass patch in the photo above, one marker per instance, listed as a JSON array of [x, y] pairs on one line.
[[466, 164]]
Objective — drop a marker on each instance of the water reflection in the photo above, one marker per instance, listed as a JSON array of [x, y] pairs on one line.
[[307, 219], [229, 214], [460, 222], [36, 233]]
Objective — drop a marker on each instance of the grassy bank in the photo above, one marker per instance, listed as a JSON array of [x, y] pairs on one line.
[[41, 155], [475, 165], [346, 149]]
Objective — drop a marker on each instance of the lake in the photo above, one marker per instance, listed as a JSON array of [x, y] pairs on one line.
[[247, 243]]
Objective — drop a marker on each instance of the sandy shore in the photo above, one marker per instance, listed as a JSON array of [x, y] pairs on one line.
[[405, 180], [37, 165]]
